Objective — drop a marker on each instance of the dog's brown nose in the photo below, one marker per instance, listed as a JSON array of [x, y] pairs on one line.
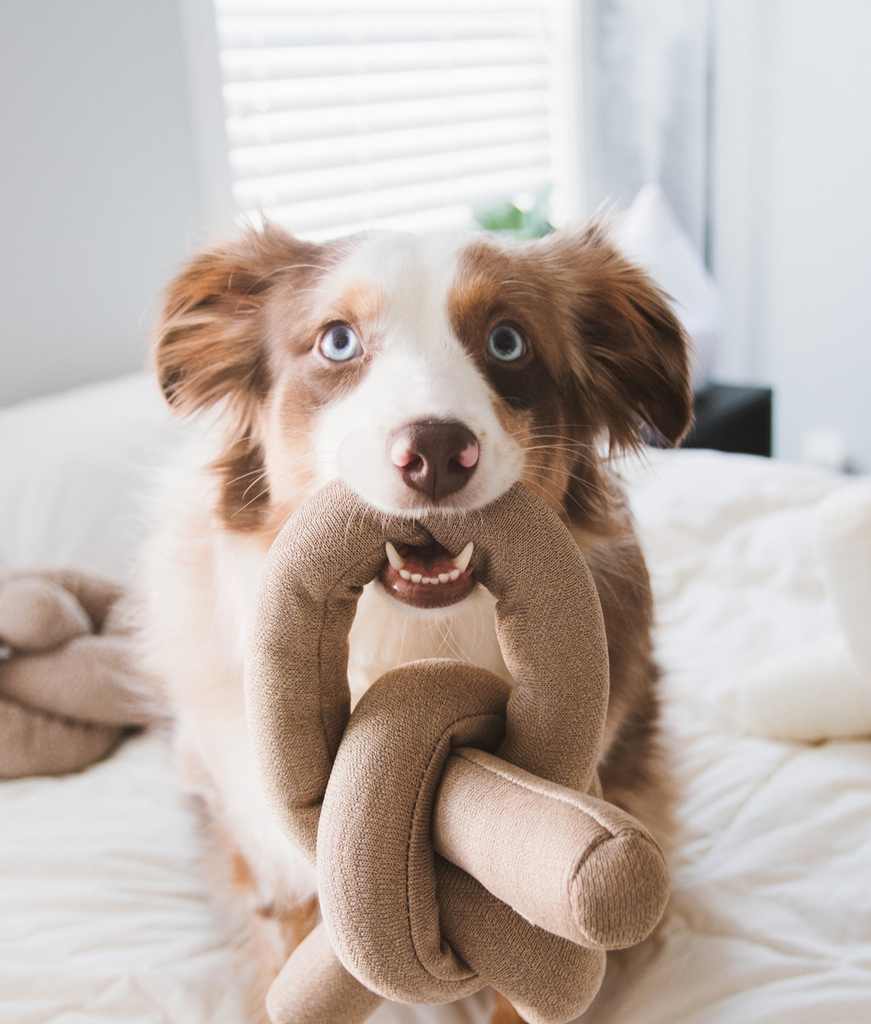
[[434, 457]]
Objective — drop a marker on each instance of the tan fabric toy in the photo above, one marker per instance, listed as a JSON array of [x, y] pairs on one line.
[[454, 821], [65, 694]]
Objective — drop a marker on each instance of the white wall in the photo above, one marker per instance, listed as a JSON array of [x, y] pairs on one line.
[[97, 185], [792, 212], [99, 197]]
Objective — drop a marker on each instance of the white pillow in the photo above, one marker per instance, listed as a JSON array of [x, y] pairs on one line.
[[650, 233], [75, 471]]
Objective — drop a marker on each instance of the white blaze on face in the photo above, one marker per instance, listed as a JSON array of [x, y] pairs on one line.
[[419, 371]]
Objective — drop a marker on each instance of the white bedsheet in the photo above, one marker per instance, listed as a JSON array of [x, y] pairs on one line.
[[104, 913]]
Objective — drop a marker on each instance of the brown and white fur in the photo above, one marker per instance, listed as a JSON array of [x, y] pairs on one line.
[[242, 333]]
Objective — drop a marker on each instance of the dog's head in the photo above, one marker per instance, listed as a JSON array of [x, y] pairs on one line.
[[429, 371]]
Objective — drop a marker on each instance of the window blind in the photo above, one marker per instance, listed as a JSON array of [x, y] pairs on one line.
[[344, 115]]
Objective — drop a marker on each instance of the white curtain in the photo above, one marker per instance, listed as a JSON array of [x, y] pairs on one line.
[[646, 83]]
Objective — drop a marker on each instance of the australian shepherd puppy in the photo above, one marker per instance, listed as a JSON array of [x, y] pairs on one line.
[[426, 372]]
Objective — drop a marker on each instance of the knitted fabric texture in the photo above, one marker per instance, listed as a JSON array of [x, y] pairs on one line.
[[449, 819], [67, 680]]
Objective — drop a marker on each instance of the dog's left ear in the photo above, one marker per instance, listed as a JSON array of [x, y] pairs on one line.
[[631, 357]]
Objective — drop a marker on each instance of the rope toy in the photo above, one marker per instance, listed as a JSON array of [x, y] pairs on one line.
[[67, 679], [456, 822]]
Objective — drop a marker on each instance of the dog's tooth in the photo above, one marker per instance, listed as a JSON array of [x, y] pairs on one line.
[[405, 574], [454, 574], [464, 557], [394, 557], [444, 577], [416, 577]]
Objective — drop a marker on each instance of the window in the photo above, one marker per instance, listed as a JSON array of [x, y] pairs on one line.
[[339, 116]]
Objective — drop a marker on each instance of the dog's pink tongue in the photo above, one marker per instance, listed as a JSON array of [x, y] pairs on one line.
[[429, 560], [427, 576]]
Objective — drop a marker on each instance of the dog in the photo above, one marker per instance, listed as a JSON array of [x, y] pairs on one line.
[[427, 372]]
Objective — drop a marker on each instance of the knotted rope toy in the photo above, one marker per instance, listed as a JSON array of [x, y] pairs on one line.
[[67, 676], [454, 820]]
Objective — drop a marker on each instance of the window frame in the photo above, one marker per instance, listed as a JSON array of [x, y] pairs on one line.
[[218, 210]]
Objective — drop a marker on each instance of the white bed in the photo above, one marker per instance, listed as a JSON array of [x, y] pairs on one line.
[[105, 915]]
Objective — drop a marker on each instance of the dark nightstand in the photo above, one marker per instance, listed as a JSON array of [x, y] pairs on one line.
[[732, 419]]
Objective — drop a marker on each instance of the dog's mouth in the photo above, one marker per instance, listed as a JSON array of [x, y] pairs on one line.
[[427, 576]]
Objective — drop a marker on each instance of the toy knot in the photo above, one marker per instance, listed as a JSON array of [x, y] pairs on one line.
[[450, 817]]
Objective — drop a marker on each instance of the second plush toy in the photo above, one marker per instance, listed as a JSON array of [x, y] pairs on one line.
[[67, 683], [822, 690]]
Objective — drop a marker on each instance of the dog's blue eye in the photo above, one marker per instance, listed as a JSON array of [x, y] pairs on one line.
[[340, 343], [506, 344]]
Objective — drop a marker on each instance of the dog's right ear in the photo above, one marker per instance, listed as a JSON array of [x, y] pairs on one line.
[[209, 342]]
